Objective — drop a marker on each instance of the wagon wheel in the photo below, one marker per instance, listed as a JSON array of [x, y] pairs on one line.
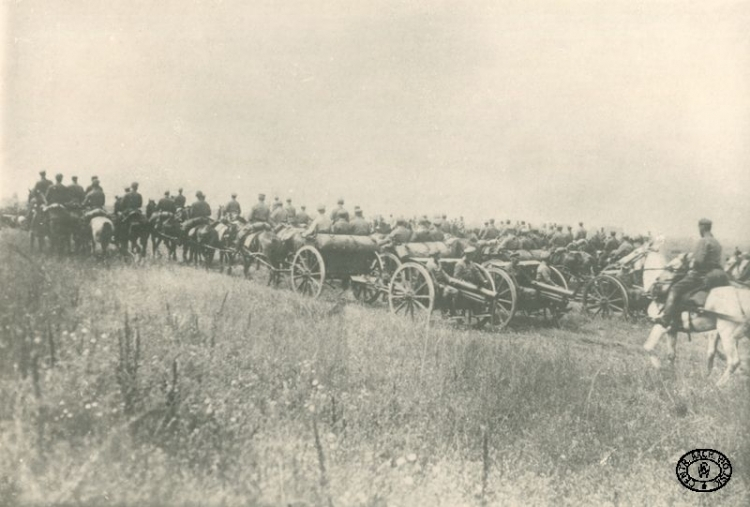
[[488, 313], [412, 291], [390, 263], [506, 301], [605, 296], [308, 272], [369, 292]]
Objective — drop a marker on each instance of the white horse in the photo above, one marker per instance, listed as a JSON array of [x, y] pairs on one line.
[[102, 232], [725, 315], [738, 266]]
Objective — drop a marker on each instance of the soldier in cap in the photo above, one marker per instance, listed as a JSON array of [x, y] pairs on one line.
[[302, 218], [233, 208], [94, 197], [340, 213], [94, 179], [360, 226], [166, 204], [422, 232], [43, 184], [401, 233], [706, 265], [57, 193], [200, 208], [132, 200], [260, 212], [445, 225], [490, 232], [581, 232], [278, 215], [291, 212], [467, 269], [625, 248], [611, 244], [179, 199], [76, 194], [543, 272], [321, 223]]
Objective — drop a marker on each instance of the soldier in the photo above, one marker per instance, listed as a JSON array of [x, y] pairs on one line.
[[166, 204], [302, 218], [581, 232], [360, 226], [233, 208], [611, 244], [179, 199], [422, 232], [436, 234], [118, 204], [94, 179], [490, 232], [321, 223], [569, 235], [445, 225], [401, 233], [278, 215], [43, 184], [382, 226], [94, 197], [466, 269], [200, 208], [260, 212], [543, 272], [706, 264], [57, 193], [340, 213], [625, 248], [291, 212], [559, 239], [76, 193], [132, 200]]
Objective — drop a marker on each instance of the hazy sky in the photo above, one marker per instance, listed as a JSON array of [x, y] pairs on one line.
[[627, 113]]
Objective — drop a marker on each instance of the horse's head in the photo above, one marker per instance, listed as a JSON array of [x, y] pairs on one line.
[[659, 275]]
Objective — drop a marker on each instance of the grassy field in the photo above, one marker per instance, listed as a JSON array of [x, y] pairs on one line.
[[165, 385]]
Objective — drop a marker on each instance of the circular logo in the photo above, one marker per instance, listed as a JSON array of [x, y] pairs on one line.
[[704, 470]]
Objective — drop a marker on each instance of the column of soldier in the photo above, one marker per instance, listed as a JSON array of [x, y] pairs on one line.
[[520, 235]]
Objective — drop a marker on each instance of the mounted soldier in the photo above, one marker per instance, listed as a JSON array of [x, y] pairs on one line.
[[94, 179], [321, 223], [166, 204], [360, 226], [95, 197], [704, 271], [278, 215], [260, 212], [291, 212], [581, 232], [302, 218], [132, 200], [43, 184], [340, 213], [179, 199], [76, 194], [490, 232], [57, 193], [422, 232], [233, 208]]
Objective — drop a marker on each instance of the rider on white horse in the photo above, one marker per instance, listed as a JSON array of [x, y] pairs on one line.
[[706, 260]]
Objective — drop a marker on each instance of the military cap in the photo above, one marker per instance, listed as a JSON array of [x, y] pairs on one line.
[[288, 199], [469, 250], [357, 208], [179, 189], [303, 207], [234, 194], [42, 173], [127, 189], [340, 201], [166, 193], [261, 196], [94, 178], [492, 220], [59, 177], [705, 221], [199, 194], [74, 178], [134, 184], [321, 207]]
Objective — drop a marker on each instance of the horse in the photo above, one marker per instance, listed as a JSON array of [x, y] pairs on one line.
[[38, 225], [102, 233], [205, 242], [738, 267], [132, 230], [166, 228], [725, 315], [61, 225], [150, 208], [227, 230], [257, 242]]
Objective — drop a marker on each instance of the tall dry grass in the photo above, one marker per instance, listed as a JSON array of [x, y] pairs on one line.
[[161, 384]]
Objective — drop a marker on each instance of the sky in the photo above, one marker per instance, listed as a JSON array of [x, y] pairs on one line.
[[621, 113]]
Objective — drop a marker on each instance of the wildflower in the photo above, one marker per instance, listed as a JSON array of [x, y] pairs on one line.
[[400, 461], [411, 458], [84, 330], [408, 480], [87, 406]]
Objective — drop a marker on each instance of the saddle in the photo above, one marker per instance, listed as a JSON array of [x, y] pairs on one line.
[[93, 213]]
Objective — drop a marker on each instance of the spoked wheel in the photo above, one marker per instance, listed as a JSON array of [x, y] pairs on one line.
[[506, 301], [412, 292], [605, 296], [308, 272], [558, 278], [369, 292]]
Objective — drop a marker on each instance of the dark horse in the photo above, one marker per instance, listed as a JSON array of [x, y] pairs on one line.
[[166, 228], [62, 226], [256, 242], [201, 241], [132, 230], [38, 226]]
